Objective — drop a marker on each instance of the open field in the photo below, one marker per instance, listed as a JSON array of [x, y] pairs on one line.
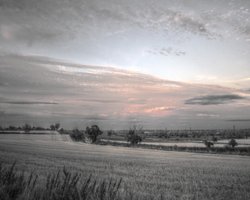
[[145, 172]]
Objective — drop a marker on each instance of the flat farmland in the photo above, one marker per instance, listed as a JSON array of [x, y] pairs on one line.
[[145, 172]]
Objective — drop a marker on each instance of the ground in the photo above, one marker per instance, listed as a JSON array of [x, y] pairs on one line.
[[145, 172]]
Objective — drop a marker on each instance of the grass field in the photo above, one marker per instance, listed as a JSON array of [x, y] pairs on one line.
[[145, 172]]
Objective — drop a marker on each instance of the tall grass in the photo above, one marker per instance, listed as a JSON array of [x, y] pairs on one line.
[[62, 185]]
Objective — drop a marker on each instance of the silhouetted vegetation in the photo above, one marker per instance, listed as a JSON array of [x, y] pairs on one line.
[[208, 144], [93, 132], [90, 135], [77, 135], [176, 135], [110, 132], [223, 150], [134, 135], [63, 185], [199, 134], [232, 143], [27, 128], [214, 139]]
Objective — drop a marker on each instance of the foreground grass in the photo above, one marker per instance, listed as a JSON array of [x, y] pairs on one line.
[[145, 173], [57, 186]]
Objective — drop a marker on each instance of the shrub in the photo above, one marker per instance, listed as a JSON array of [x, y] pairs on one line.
[[93, 132], [77, 135], [134, 135]]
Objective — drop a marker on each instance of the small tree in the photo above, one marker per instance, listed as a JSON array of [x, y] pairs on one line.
[[214, 139], [52, 127], [93, 132], [233, 143], [110, 132], [26, 128], [57, 126], [12, 127], [134, 135]]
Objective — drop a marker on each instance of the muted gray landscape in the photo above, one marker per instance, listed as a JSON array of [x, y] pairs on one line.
[[124, 100]]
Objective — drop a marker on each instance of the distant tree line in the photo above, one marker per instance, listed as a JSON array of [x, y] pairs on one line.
[[27, 127], [134, 135], [200, 134]]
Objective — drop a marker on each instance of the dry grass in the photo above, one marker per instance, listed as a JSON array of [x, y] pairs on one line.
[[57, 186], [145, 173]]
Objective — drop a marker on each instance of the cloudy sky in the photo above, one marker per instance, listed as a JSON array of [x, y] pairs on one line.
[[159, 64]]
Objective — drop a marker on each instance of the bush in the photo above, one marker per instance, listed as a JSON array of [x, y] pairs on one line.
[[134, 135], [77, 135], [93, 132]]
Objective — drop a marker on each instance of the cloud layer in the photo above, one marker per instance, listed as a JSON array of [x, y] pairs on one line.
[[214, 99], [41, 91], [177, 40]]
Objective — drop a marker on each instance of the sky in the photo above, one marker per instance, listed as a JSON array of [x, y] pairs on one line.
[[116, 63]]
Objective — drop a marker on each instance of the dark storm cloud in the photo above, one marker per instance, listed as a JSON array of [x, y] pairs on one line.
[[213, 99]]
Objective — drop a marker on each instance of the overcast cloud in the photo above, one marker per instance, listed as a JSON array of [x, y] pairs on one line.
[[44, 91], [173, 63]]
